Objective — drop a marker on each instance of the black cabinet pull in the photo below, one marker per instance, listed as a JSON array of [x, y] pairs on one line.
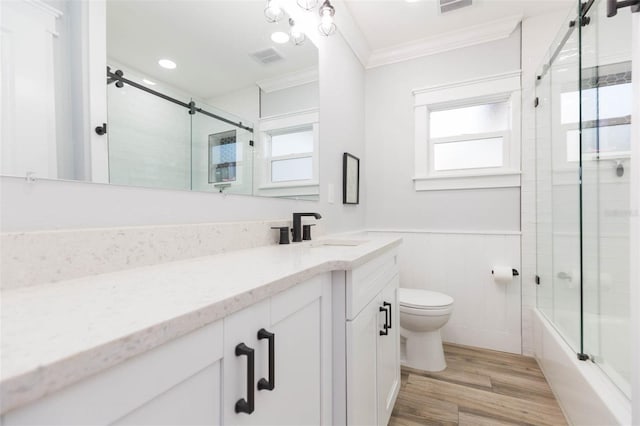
[[386, 321], [247, 405], [264, 384], [390, 313]]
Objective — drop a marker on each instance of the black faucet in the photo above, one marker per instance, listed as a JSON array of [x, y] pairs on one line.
[[297, 225]]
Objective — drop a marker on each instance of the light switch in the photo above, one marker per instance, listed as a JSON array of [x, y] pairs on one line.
[[330, 194]]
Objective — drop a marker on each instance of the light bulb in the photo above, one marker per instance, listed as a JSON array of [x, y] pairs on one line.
[[327, 19], [326, 27], [297, 36], [273, 12], [307, 4]]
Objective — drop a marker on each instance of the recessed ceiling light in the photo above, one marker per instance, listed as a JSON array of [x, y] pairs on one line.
[[149, 82], [167, 63], [279, 37]]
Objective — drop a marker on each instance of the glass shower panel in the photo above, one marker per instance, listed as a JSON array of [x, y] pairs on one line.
[[565, 193], [605, 154], [221, 153], [558, 190], [149, 140], [544, 235]]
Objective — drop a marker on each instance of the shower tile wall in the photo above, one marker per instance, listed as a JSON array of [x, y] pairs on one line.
[[149, 140]]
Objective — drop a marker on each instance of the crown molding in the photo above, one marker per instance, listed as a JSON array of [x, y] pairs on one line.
[[286, 81], [470, 36]]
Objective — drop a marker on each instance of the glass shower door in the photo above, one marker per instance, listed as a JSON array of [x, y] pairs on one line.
[[558, 188], [606, 105], [149, 140]]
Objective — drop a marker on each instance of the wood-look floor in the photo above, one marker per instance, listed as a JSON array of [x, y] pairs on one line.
[[479, 387]]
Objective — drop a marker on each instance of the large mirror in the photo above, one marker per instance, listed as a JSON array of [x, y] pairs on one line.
[[195, 95]]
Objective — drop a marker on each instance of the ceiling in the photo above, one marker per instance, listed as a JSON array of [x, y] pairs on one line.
[[388, 23], [209, 40]]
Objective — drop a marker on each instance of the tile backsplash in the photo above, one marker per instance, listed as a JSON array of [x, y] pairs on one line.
[[31, 258]]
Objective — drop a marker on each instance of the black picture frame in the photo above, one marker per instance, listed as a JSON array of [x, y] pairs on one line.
[[350, 179]]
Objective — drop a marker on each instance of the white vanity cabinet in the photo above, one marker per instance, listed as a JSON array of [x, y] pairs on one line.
[[197, 378], [297, 324], [176, 383], [372, 342]]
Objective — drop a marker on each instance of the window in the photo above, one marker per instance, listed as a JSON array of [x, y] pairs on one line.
[[467, 134], [470, 137], [289, 155], [607, 103]]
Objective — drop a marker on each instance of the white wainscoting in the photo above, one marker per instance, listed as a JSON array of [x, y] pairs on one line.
[[485, 314]]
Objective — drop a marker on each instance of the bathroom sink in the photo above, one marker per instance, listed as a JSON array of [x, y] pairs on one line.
[[337, 243]]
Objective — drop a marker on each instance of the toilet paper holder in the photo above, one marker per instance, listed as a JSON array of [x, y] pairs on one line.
[[513, 271]]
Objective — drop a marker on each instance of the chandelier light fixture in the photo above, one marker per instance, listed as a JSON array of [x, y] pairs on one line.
[[327, 26], [307, 5], [273, 12], [297, 36]]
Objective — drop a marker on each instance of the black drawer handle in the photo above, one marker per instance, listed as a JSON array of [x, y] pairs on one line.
[[264, 384], [390, 313], [386, 321], [247, 405]]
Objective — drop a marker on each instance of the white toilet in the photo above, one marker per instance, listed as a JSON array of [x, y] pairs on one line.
[[422, 314]]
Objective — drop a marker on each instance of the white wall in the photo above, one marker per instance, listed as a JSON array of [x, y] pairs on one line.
[[28, 128], [485, 313], [244, 103], [390, 145], [452, 239], [57, 204], [291, 99]]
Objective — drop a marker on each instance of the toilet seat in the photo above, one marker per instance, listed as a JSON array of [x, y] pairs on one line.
[[430, 312], [413, 300]]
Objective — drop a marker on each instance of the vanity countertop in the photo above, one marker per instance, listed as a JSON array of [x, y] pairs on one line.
[[56, 334]]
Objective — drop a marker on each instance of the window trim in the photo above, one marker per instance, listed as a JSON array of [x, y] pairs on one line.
[[496, 88], [282, 124]]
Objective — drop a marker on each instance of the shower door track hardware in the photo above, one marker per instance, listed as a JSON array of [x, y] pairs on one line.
[[583, 357], [584, 20], [118, 78], [614, 5]]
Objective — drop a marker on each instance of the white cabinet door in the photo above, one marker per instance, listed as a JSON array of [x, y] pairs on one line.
[[176, 383], [196, 401], [297, 318], [296, 322], [242, 371], [362, 340], [388, 363], [373, 359]]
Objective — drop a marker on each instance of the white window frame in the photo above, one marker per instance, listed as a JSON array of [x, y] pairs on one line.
[[283, 124], [498, 88]]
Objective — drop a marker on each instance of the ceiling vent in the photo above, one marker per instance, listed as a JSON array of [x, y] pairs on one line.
[[451, 5], [267, 56]]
